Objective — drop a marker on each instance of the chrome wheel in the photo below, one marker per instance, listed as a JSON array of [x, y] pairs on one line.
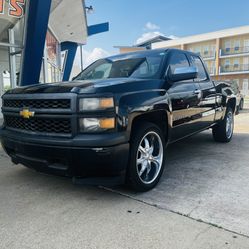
[[229, 125], [149, 157]]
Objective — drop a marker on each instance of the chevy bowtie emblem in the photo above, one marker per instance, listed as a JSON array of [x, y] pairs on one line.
[[26, 113]]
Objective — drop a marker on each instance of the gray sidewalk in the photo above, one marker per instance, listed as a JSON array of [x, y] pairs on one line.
[[40, 211]]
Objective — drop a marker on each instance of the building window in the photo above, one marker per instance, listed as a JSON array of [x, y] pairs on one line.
[[198, 50], [212, 67], [228, 46], [206, 50], [246, 45], [237, 45], [213, 50], [227, 63], [246, 63], [236, 63], [245, 87]]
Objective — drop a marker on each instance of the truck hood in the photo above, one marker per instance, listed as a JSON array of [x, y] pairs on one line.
[[91, 86]]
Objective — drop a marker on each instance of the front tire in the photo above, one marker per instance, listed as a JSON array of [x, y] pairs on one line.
[[147, 157], [223, 132]]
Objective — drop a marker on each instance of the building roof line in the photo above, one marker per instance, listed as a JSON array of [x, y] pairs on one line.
[[204, 37], [165, 38], [126, 47]]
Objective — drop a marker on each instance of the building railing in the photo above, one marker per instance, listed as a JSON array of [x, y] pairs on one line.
[[234, 68], [235, 50], [211, 70], [207, 54]]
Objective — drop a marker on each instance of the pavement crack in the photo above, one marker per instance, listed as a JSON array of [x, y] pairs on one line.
[[198, 235], [202, 232], [174, 212], [189, 214]]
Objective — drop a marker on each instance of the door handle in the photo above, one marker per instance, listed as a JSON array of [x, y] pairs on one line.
[[197, 92]]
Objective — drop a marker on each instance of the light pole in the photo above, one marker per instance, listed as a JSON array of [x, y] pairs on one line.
[[89, 9], [81, 57]]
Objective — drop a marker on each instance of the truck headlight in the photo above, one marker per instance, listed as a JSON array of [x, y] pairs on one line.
[[93, 104], [96, 124]]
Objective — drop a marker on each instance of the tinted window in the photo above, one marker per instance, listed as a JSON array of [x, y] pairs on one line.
[[201, 76], [144, 67], [178, 60], [148, 68]]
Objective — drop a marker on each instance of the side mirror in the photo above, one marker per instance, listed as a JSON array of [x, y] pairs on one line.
[[183, 73]]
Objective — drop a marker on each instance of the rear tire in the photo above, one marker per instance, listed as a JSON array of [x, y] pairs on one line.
[[147, 157], [223, 132]]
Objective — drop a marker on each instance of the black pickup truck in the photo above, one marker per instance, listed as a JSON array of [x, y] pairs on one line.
[[112, 123]]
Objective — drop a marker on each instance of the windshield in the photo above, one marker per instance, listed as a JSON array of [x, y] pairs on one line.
[[146, 67]]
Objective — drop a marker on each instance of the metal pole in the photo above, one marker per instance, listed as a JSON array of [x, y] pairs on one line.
[[12, 60], [81, 57], [45, 64], [1, 88]]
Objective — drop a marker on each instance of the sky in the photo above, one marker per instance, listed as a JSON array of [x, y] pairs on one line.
[[132, 20]]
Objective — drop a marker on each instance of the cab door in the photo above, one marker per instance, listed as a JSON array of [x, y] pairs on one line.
[[207, 104], [185, 99]]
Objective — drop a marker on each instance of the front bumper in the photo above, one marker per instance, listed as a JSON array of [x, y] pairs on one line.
[[87, 158]]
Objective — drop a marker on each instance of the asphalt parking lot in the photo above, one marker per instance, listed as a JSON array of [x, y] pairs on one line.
[[201, 202]]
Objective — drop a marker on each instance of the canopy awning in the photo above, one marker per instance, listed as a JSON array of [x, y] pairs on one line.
[[67, 21]]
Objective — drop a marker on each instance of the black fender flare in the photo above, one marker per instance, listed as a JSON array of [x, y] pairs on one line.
[[132, 106]]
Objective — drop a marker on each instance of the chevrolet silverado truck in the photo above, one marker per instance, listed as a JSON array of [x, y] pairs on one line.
[[112, 123]]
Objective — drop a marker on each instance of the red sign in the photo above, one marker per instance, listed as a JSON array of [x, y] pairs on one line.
[[2, 6], [15, 7]]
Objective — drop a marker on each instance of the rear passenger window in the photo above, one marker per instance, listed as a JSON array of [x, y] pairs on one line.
[[178, 60], [202, 75]]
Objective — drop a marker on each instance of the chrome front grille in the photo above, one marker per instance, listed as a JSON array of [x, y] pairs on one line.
[[51, 113], [37, 103], [41, 125]]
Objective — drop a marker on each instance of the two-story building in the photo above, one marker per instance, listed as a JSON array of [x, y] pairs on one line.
[[225, 52]]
